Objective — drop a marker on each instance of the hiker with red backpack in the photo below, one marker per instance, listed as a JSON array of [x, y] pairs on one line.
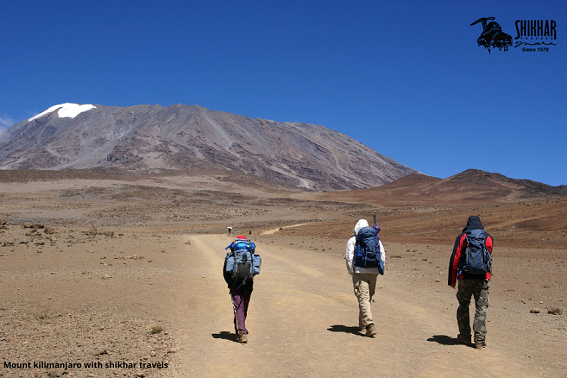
[[471, 265], [365, 257], [241, 264]]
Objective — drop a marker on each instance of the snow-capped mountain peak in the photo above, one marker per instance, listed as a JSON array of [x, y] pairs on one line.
[[66, 110]]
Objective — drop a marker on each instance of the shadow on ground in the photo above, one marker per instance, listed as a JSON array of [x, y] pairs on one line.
[[345, 329], [224, 335], [445, 340]]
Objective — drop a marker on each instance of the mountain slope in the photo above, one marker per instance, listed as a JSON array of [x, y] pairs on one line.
[[146, 137], [471, 187]]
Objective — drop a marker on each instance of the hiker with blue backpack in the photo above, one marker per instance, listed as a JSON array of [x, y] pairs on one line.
[[365, 257], [241, 264], [471, 265]]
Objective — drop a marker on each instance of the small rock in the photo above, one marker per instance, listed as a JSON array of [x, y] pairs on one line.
[[535, 311], [108, 233], [555, 311], [49, 230], [106, 277]]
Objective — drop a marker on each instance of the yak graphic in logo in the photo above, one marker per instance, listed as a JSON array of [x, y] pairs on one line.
[[492, 35]]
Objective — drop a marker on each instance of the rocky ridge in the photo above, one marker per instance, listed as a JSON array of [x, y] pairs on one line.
[[151, 137]]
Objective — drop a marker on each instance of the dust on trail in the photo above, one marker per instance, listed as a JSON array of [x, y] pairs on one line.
[[303, 322]]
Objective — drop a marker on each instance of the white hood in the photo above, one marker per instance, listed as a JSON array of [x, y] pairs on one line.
[[360, 224]]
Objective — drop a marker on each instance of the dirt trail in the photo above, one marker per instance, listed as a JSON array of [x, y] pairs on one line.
[[303, 322], [274, 230]]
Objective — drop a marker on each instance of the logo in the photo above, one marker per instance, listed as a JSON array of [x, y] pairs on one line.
[[492, 35], [535, 33]]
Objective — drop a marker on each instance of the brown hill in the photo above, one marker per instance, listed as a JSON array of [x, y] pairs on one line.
[[471, 187]]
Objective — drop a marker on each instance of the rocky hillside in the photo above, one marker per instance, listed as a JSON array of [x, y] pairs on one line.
[[151, 137], [471, 187]]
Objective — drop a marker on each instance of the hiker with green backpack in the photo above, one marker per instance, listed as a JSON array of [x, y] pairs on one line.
[[241, 264], [365, 258]]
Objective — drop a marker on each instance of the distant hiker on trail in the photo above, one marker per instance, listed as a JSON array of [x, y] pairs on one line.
[[229, 230], [365, 257], [471, 264], [240, 266]]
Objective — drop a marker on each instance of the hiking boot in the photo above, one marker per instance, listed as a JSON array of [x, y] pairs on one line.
[[371, 330], [465, 339], [479, 344], [242, 338]]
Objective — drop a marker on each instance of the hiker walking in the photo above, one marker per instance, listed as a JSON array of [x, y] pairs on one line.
[[471, 264], [365, 257], [240, 266]]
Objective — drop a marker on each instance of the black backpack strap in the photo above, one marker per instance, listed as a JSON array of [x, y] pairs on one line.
[[234, 265]]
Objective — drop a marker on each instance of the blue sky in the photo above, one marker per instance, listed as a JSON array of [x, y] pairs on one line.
[[407, 79]]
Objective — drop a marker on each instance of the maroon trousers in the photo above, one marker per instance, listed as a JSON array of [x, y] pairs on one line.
[[240, 299]]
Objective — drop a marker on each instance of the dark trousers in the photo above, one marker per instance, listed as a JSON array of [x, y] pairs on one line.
[[240, 299], [467, 289]]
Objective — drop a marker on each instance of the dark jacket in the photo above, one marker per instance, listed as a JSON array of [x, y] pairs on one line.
[[473, 223]]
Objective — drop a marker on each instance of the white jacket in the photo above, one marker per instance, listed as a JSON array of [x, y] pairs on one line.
[[349, 254]]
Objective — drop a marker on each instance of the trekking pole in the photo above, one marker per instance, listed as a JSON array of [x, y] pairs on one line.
[[375, 226]]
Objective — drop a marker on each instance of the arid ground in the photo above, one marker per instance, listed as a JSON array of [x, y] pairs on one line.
[[123, 273]]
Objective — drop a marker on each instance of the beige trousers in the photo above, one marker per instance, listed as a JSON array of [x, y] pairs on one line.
[[364, 288]]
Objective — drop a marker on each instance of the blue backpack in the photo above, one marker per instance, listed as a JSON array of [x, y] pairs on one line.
[[241, 261], [367, 250], [476, 259]]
